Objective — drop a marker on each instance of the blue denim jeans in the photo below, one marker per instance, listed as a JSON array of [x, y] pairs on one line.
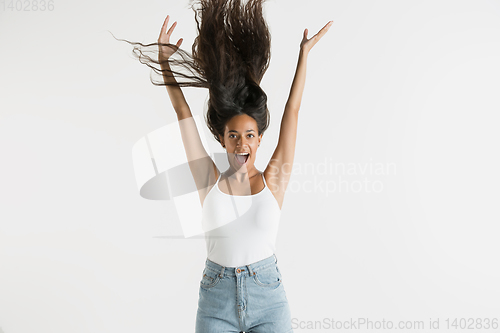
[[248, 298]]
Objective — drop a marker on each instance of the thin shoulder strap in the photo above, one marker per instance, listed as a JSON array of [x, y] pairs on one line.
[[264, 179]]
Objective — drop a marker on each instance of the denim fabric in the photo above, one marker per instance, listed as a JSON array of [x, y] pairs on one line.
[[248, 298]]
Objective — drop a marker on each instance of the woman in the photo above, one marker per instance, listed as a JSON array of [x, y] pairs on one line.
[[241, 288]]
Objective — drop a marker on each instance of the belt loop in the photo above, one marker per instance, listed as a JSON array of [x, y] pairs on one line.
[[222, 272], [250, 270], [276, 258]]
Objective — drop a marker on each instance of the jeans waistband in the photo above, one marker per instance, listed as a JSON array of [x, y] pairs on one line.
[[242, 270]]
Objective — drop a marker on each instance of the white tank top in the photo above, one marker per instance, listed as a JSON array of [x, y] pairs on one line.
[[240, 230]]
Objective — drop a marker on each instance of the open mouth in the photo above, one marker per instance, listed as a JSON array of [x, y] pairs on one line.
[[242, 159]]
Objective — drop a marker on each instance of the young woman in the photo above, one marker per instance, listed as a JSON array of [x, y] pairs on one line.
[[241, 288]]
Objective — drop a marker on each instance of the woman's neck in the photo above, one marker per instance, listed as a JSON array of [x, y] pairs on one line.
[[242, 177]]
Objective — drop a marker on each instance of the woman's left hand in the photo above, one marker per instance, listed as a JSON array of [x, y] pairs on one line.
[[307, 44]]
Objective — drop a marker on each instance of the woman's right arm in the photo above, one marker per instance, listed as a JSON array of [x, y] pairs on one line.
[[174, 92], [201, 165]]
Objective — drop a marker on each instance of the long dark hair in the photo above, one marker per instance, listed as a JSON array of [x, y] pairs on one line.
[[230, 56]]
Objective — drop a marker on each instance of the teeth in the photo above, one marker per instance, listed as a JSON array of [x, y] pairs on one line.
[[242, 153]]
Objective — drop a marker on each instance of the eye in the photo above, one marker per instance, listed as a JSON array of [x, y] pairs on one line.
[[231, 135]]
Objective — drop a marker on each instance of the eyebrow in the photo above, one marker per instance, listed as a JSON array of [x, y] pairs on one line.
[[250, 130]]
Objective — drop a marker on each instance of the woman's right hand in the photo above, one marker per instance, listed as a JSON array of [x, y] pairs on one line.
[[165, 51]]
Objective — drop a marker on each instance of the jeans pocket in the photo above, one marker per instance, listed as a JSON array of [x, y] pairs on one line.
[[269, 277], [210, 278]]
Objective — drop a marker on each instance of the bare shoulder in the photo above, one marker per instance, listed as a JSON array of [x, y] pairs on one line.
[[204, 191], [273, 181]]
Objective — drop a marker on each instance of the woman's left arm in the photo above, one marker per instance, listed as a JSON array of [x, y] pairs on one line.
[[285, 150], [299, 80]]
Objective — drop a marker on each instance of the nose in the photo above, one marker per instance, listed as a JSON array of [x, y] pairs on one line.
[[239, 142]]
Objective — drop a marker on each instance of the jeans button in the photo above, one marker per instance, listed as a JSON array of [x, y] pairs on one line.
[[238, 270]]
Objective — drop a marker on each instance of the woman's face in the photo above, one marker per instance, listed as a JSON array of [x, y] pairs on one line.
[[240, 136]]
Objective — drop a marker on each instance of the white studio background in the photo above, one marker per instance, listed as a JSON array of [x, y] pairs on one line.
[[403, 94]]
